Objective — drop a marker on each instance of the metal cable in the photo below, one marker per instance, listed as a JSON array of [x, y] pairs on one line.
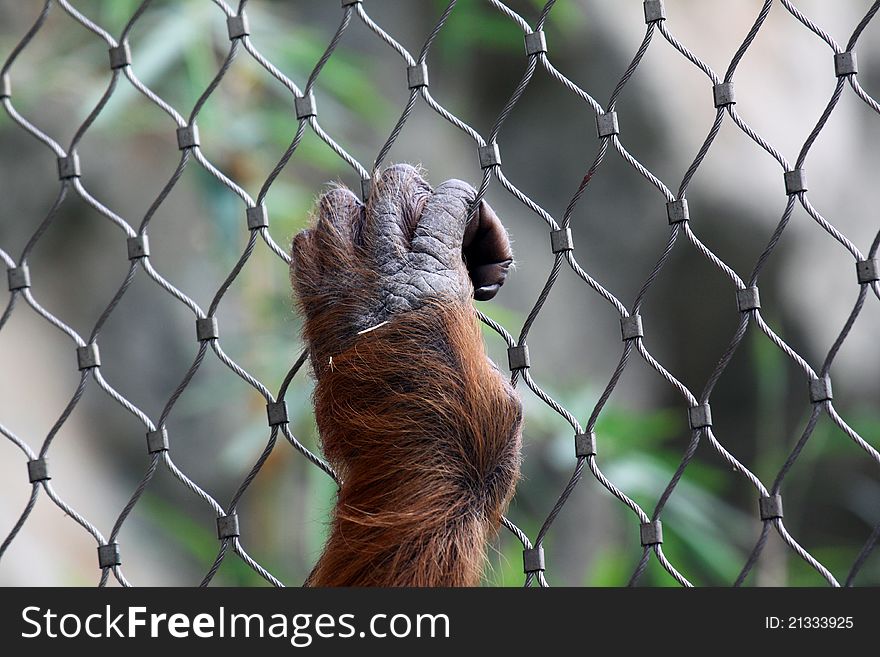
[[538, 62]]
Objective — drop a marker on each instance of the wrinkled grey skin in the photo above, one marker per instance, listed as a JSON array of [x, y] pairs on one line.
[[430, 263], [406, 246]]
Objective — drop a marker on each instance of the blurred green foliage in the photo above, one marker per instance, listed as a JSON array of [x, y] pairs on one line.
[[178, 51]]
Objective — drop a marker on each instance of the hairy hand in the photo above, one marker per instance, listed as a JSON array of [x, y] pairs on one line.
[[423, 430], [411, 245]]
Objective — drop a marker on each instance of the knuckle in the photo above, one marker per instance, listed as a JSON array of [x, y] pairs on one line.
[[338, 200], [299, 243], [303, 257], [458, 188], [402, 170], [400, 179]]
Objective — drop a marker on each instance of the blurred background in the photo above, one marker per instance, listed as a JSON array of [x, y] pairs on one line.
[[217, 428]]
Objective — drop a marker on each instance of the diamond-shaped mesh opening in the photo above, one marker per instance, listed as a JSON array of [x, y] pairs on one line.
[[204, 262]]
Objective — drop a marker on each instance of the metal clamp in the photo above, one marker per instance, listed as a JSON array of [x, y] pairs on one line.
[[257, 217], [518, 357], [700, 416], [157, 441], [18, 278], [277, 413], [108, 555], [88, 356], [677, 211], [724, 94], [631, 327], [490, 156], [845, 63], [770, 507], [120, 56], [138, 247], [237, 27], [207, 329], [654, 11], [536, 43], [820, 389], [188, 136], [867, 271], [417, 75], [68, 167], [533, 560], [651, 533], [748, 299], [38, 470], [305, 106], [227, 526], [795, 181], [5, 86], [607, 125], [561, 240], [585, 444]]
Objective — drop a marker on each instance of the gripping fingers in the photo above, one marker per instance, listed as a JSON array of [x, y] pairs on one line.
[[441, 228]]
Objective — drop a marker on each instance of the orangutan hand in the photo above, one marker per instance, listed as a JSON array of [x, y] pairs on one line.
[[422, 429], [359, 266]]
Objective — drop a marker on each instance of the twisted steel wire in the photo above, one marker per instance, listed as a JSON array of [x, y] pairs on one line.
[[538, 62]]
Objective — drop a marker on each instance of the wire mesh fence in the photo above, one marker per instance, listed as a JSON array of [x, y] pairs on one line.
[[671, 203]]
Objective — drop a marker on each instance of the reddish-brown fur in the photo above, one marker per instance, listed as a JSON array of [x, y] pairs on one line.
[[422, 429]]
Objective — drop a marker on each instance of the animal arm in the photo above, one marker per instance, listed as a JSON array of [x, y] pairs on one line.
[[423, 429]]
